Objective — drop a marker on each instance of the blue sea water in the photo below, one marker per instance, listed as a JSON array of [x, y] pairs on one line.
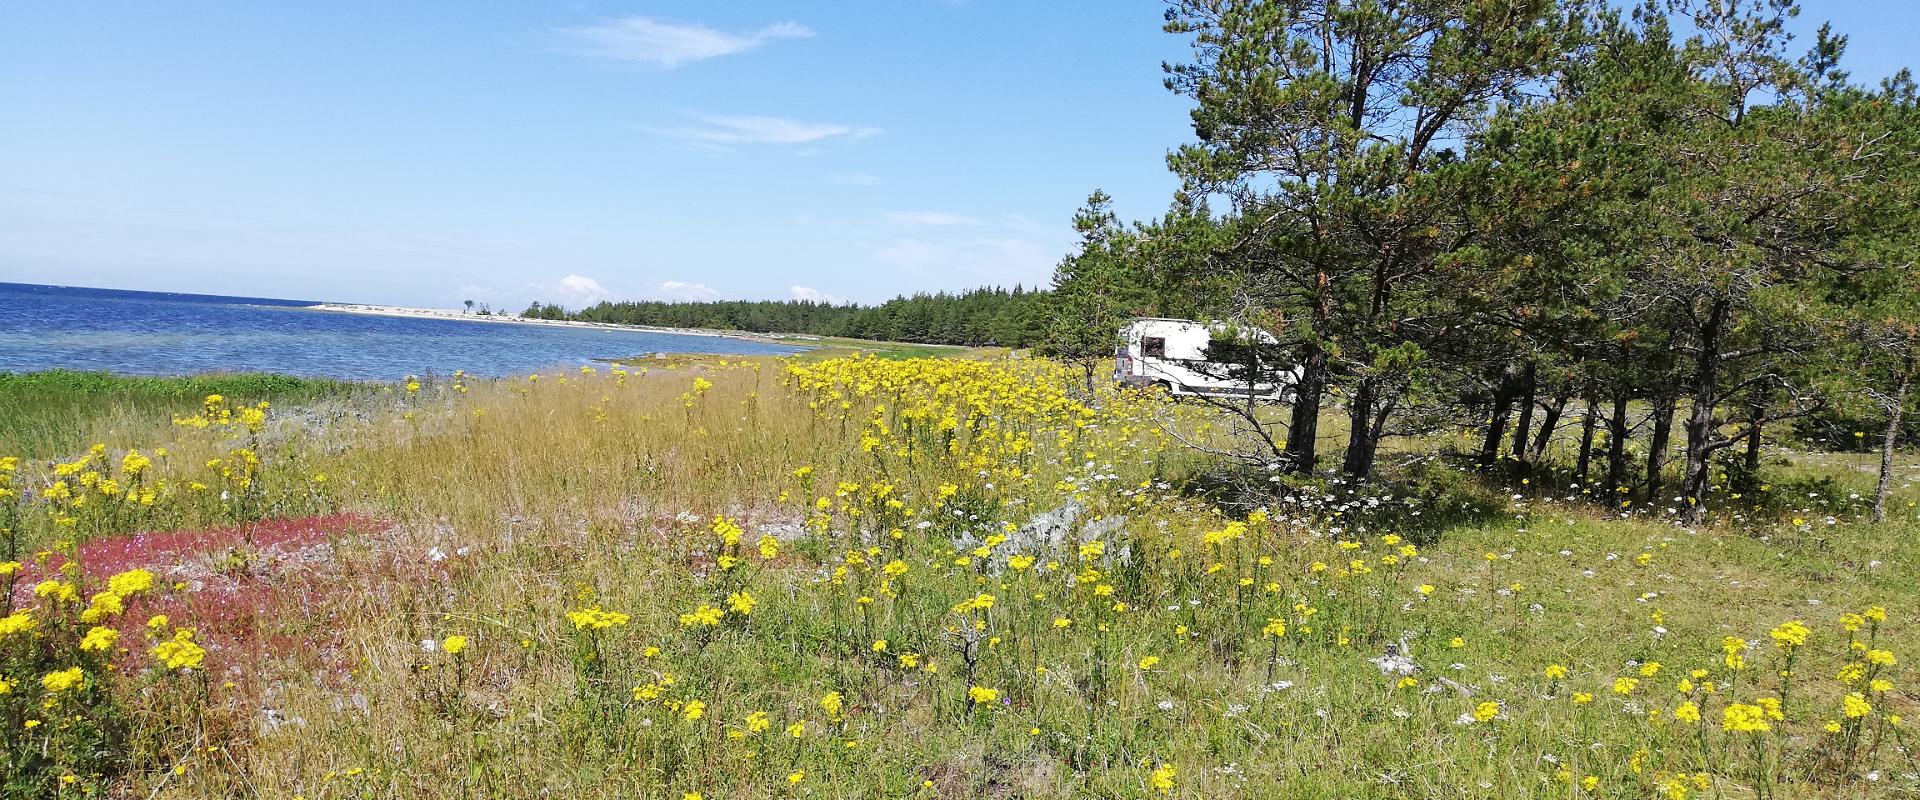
[[152, 333]]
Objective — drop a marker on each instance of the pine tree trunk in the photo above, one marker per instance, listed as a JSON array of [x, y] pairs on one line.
[[1497, 420], [1892, 437], [1380, 417], [1616, 448], [1756, 426], [1523, 427], [1548, 424], [1359, 458], [1588, 423], [1303, 428], [1706, 394], [1663, 410]]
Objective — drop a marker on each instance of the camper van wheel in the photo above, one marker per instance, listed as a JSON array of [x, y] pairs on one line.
[[1165, 386]]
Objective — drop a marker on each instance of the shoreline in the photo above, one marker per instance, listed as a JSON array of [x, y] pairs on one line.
[[457, 315]]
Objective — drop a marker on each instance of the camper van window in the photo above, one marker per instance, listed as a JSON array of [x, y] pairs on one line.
[[1153, 346]]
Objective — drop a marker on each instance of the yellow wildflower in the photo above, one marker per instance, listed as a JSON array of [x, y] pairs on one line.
[[705, 615], [63, 680], [594, 618], [180, 652], [1162, 779], [1743, 718], [1855, 706], [99, 639], [1789, 635], [17, 622]]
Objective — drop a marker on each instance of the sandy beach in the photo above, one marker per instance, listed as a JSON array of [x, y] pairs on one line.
[[515, 319]]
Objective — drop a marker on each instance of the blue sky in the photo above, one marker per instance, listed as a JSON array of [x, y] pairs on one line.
[[428, 153]]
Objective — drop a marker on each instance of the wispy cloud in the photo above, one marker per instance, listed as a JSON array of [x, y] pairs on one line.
[[733, 130], [684, 291], [665, 45], [931, 218], [815, 295]]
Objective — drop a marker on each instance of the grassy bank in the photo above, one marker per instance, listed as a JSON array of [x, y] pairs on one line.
[[57, 413], [826, 347], [955, 578], [821, 348]]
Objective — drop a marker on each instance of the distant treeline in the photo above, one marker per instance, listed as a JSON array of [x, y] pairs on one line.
[[981, 317]]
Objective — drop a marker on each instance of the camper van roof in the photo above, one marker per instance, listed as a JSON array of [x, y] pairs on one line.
[[1214, 324]]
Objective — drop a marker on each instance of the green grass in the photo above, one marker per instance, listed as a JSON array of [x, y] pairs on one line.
[[826, 347], [820, 348], [54, 413]]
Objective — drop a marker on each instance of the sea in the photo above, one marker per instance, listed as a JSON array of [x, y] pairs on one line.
[[158, 333]]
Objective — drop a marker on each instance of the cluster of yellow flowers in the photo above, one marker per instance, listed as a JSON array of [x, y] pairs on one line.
[[97, 612], [9, 473], [102, 492], [90, 485], [216, 412], [596, 619], [179, 650], [72, 644]]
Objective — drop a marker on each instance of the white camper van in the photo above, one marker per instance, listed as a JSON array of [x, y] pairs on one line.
[[1171, 353]]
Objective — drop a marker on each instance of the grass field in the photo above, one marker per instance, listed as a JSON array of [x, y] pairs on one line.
[[57, 412], [835, 347], [820, 348], [863, 577]]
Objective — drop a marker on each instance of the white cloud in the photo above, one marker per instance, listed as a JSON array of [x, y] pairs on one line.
[[815, 295], [931, 218], [580, 291], [664, 45], [728, 130], [686, 292]]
